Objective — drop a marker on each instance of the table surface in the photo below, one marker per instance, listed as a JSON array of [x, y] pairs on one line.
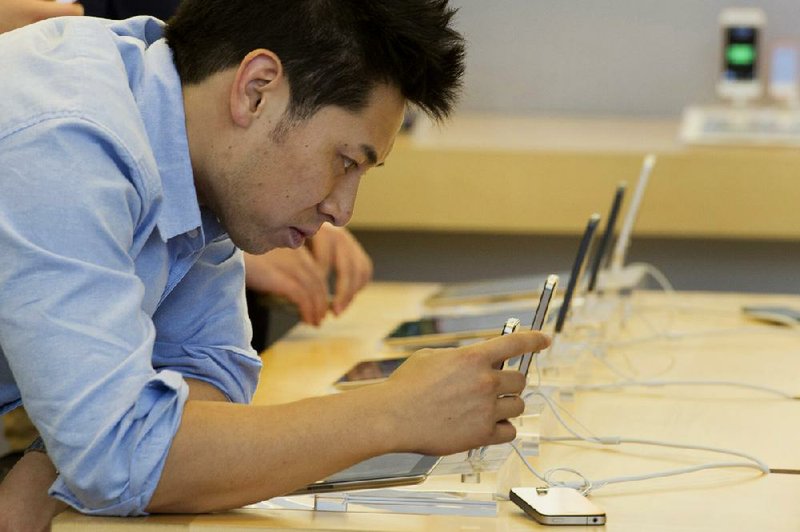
[[680, 336]]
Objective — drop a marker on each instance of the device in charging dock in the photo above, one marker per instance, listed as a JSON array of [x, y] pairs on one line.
[[558, 506], [740, 79]]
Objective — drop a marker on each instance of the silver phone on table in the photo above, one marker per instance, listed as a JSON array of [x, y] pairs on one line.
[[557, 506]]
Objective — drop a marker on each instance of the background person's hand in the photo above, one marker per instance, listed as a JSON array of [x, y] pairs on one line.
[[336, 248], [17, 13], [451, 400], [301, 275], [293, 275]]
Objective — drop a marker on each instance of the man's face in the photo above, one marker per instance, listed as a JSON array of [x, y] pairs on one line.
[[278, 184]]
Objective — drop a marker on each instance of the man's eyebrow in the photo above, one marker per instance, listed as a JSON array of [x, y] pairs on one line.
[[370, 154]]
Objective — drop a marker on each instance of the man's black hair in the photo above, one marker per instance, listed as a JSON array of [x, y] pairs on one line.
[[334, 52]]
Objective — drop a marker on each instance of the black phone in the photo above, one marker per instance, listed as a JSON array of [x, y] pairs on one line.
[[608, 234], [577, 268]]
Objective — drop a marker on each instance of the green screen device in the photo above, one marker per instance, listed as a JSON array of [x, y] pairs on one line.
[[740, 77], [741, 53]]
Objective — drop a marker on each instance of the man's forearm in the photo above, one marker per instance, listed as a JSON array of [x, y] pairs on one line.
[[203, 391], [438, 402], [227, 455]]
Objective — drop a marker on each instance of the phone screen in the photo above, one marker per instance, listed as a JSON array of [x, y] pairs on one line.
[[456, 324], [368, 370], [740, 53]]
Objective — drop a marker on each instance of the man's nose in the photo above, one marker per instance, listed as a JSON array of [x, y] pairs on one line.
[[339, 204]]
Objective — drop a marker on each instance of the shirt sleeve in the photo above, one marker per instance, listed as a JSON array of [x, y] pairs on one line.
[[72, 207], [208, 337]]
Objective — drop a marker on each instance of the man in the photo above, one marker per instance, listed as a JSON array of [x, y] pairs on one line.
[[132, 168], [297, 275]]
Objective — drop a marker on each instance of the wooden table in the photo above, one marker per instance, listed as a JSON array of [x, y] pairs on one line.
[[707, 340]]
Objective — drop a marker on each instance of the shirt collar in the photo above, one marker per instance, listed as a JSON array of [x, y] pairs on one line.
[[160, 100]]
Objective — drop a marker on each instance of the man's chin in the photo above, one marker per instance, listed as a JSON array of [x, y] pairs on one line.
[[253, 247]]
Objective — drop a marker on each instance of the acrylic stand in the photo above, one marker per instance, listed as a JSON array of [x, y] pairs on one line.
[[459, 485]]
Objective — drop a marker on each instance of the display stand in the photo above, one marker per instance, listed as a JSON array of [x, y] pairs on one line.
[[457, 486], [473, 483]]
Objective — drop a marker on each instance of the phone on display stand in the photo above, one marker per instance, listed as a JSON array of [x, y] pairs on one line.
[[538, 318], [741, 78], [784, 73]]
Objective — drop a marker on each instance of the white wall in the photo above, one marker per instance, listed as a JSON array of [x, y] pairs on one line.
[[594, 57], [599, 57]]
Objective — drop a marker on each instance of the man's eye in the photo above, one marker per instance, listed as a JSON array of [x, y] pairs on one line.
[[349, 163]]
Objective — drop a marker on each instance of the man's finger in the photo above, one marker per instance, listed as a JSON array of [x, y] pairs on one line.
[[509, 407], [508, 346], [504, 432], [309, 286], [511, 383], [297, 295]]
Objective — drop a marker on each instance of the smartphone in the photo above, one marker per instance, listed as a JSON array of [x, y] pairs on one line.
[[441, 331], [605, 243], [741, 49], [368, 372], [538, 318], [384, 471], [777, 315], [577, 270], [509, 327], [784, 73], [558, 506]]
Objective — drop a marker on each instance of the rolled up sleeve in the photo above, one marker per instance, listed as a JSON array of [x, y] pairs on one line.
[[208, 337], [118, 474]]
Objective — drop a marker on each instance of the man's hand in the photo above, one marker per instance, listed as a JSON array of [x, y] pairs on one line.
[[17, 13], [450, 400], [335, 247], [300, 275]]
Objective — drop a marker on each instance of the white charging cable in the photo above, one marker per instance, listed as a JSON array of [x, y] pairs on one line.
[[628, 381], [664, 383], [586, 485]]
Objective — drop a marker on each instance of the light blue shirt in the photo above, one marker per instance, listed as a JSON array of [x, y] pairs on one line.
[[114, 283]]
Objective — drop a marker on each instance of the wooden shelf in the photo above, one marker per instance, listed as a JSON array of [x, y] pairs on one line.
[[546, 176]]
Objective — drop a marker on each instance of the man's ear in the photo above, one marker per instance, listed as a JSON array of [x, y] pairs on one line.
[[258, 81]]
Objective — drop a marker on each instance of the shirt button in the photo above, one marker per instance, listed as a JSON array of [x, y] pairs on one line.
[[193, 233]]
